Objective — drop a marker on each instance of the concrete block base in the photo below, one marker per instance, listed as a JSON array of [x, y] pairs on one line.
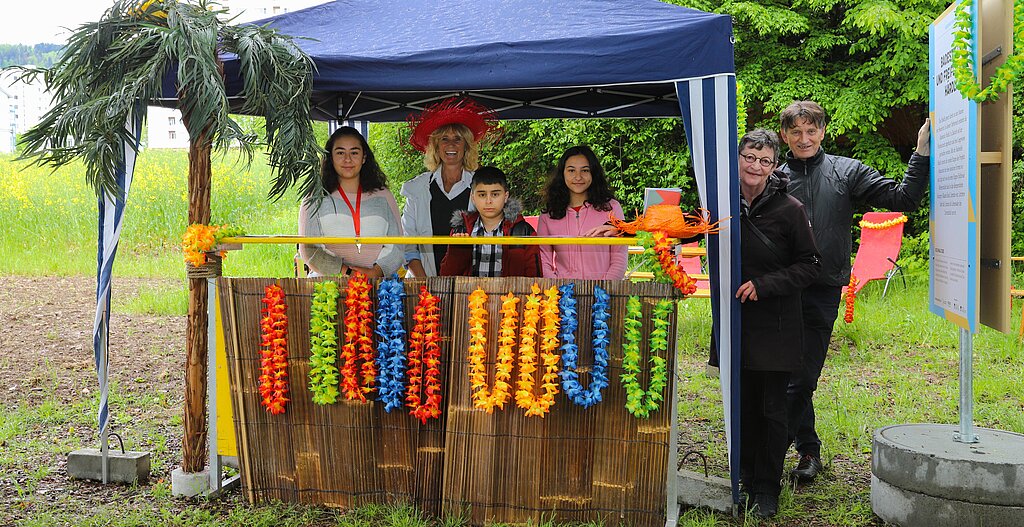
[[189, 484], [907, 508], [712, 492], [123, 467], [921, 476]]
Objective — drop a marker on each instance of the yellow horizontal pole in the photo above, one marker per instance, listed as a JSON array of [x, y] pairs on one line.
[[288, 239]]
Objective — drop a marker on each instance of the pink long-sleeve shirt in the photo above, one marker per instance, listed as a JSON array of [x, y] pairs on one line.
[[584, 262]]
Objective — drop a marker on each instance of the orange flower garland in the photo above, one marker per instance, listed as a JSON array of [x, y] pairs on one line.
[[424, 349], [497, 396], [274, 351], [667, 260], [356, 380], [534, 310], [851, 297], [865, 224], [200, 239]]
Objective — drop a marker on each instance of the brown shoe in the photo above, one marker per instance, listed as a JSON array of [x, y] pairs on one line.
[[807, 469]]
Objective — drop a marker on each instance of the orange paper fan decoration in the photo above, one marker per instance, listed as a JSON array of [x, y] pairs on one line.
[[670, 220]]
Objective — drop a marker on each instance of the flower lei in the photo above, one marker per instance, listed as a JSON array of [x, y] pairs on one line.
[[425, 351], [497, 397], [963, 59], [570, 354], [274, 351], [323, 343], [865, 224], [357, 381], [668, 270], [390, 332], [851, 297], [200, 239], [534, 310], [638, 402]]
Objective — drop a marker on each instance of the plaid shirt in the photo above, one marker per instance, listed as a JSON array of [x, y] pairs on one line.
[[487, 258]]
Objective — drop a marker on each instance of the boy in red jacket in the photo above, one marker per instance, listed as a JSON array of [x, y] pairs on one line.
[[496, 215]]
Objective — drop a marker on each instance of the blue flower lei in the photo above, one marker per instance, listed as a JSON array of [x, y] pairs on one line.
[[390, 332], [570, 352]]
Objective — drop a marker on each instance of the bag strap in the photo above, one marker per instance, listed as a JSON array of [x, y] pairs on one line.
[[764, 239]]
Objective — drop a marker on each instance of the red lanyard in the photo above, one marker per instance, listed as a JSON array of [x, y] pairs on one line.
[[355, 211]]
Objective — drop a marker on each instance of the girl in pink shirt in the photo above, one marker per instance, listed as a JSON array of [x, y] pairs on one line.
[[578, 200]]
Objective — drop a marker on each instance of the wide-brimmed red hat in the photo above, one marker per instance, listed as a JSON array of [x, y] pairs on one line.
[[454, 110]]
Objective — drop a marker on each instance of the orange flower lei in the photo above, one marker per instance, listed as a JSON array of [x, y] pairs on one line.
[[681, 280], [865, 224], [200, 239], [851, 297], [424, 349], [274, 351], [358, 381], [534, 310], [497, 397]]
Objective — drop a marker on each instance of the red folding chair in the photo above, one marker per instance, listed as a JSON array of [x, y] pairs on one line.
[[879, 249]]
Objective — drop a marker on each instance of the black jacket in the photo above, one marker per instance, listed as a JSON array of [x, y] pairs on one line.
[[829, 187], [772, 325]]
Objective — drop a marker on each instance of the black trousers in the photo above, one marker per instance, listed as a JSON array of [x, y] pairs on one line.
[[763, 434], [820, 308]]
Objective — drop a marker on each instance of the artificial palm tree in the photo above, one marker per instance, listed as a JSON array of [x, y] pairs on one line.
[[112, 68]]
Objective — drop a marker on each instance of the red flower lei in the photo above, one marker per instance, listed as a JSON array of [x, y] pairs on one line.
[[851, 297], [681, 280], [356, 380], [274, 351], [424, 349]]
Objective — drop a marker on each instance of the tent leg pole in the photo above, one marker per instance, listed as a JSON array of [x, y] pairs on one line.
[[211, 388]]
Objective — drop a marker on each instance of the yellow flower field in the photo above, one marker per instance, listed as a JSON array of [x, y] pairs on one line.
[[50, 218]]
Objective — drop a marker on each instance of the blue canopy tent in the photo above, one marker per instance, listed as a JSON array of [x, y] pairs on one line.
[[528, 59]]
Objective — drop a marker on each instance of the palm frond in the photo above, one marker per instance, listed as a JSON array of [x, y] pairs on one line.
[[112, 66]]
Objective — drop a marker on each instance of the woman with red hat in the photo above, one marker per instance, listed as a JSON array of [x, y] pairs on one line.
[[449, 134]]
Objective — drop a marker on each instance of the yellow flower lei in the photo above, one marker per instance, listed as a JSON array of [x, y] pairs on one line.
[[534, 310], [865, 224], [482, 397]]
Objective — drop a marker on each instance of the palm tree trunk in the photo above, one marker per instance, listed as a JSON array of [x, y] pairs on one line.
[[194, 443]]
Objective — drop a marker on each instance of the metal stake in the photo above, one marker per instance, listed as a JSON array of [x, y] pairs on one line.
[[966, 433]]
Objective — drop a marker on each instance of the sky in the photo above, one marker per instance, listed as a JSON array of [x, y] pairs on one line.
[[31, 22]]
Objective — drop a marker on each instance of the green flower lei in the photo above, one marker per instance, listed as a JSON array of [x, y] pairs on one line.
[[641, 403], [323, 343], [963, 58]]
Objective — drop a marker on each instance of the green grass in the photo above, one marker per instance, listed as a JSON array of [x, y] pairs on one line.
[[51, 214]]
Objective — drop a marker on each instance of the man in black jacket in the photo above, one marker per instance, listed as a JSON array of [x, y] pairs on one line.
[[829, 187]]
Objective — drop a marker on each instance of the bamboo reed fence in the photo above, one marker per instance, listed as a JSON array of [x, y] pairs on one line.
[[574, 464]]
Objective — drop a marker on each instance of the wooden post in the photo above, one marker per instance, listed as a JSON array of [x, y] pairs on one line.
[[193, 445]]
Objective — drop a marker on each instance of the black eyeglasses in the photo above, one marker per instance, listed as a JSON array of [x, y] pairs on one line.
[[766, 162]]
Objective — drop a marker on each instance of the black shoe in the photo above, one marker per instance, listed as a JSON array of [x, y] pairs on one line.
[[807, 469], [767, 505]]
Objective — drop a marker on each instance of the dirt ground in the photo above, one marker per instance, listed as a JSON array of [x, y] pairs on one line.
[[47, 362]]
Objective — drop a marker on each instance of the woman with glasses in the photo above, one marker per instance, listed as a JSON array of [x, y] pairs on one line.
[[358, 203], [779, 259]]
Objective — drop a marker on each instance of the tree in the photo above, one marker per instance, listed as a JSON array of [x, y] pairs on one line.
[[110, 69], [864, 61]]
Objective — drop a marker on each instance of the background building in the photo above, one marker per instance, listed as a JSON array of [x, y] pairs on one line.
[[22, 105]]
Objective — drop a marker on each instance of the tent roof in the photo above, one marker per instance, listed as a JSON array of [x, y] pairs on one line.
[[380, 61]]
